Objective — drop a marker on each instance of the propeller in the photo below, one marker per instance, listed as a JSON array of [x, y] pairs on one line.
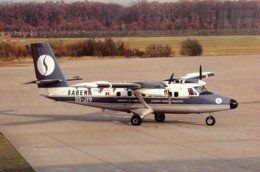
[[171, 78], [200, 72], [168, 92]]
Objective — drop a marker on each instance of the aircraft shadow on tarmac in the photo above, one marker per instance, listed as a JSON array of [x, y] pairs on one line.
[[111, 116]]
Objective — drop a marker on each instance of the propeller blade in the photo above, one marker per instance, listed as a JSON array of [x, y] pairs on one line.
[[171, 78], [169, 97], [200, 72]]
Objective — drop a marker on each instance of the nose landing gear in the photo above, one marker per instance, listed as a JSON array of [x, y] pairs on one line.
[[159, 117], [210, 120]]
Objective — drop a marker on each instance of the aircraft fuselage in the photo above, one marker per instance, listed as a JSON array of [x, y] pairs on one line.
[[111, 99]]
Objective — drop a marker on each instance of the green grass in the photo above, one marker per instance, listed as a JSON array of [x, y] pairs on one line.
[[10, 159], [212, 45]]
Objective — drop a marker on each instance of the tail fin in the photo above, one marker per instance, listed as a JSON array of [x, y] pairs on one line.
[[47, 68]]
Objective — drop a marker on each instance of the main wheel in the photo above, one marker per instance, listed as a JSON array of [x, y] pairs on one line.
[[136, 120], [210, 120], [159, 117]]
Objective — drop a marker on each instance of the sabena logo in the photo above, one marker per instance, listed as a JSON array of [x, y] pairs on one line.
[[45, 65], [218, 100]]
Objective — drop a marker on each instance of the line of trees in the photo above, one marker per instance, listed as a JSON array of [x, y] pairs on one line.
[[35, 18]]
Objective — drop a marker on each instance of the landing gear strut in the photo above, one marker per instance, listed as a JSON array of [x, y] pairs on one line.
[[159, 117], [136, 120], [210, 120]]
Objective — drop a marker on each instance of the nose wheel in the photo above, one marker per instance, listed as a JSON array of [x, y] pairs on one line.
[[210, 120], [159, 117]]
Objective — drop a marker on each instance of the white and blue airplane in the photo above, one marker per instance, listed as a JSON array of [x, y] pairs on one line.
[[182, 95]]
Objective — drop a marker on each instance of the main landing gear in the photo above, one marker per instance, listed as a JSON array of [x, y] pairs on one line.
[[210, 120], [136, 120]]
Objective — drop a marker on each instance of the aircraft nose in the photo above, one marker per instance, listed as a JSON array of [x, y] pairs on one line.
[[233, 104]]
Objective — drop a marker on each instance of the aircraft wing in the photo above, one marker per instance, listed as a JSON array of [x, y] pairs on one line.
[[197, 75], [131, 85], [126, 85], [104, 84]]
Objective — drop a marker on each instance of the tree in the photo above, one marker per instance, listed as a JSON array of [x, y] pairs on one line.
[[191, 47]]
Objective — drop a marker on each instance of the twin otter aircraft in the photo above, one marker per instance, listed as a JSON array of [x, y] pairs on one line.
[[175, 95]]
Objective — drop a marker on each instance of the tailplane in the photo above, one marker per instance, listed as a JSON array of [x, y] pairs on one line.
[[47, 68]]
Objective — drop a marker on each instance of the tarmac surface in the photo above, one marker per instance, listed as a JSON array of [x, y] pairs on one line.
[[55, 136]]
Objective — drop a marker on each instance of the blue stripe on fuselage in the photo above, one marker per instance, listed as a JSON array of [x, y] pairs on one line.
[[148, 100]]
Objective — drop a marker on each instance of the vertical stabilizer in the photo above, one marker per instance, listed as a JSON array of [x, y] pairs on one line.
[[47, 68]]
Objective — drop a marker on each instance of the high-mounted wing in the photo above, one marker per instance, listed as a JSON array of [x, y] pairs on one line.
[[103, 84], [197, 75]]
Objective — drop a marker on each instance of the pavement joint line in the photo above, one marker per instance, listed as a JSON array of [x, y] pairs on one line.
[[181, 126], [196, 150], [214, 141], [243, 133], [250, 102], [82, 151]]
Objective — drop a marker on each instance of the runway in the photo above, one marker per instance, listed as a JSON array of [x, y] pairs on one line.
[[55, 136]]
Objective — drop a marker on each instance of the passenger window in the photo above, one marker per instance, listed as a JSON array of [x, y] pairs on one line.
[[129, 93], [176, 94], [191, 92], [118, 94]]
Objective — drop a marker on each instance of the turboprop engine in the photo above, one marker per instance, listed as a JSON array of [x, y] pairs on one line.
[[152, 92]]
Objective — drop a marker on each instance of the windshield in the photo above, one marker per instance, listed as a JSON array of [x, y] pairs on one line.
[[200, 89]]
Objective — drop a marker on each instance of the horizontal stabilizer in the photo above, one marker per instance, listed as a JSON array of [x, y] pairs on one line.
[[50, 81], [44, 81], [31, 82]]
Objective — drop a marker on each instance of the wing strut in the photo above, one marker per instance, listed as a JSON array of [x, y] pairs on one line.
[[140, 97], [142, 111]]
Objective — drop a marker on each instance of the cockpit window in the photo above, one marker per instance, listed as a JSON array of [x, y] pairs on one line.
[[191, 92], [200, 89]]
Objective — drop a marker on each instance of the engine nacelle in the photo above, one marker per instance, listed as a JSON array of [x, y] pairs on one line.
[[152, 92]]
